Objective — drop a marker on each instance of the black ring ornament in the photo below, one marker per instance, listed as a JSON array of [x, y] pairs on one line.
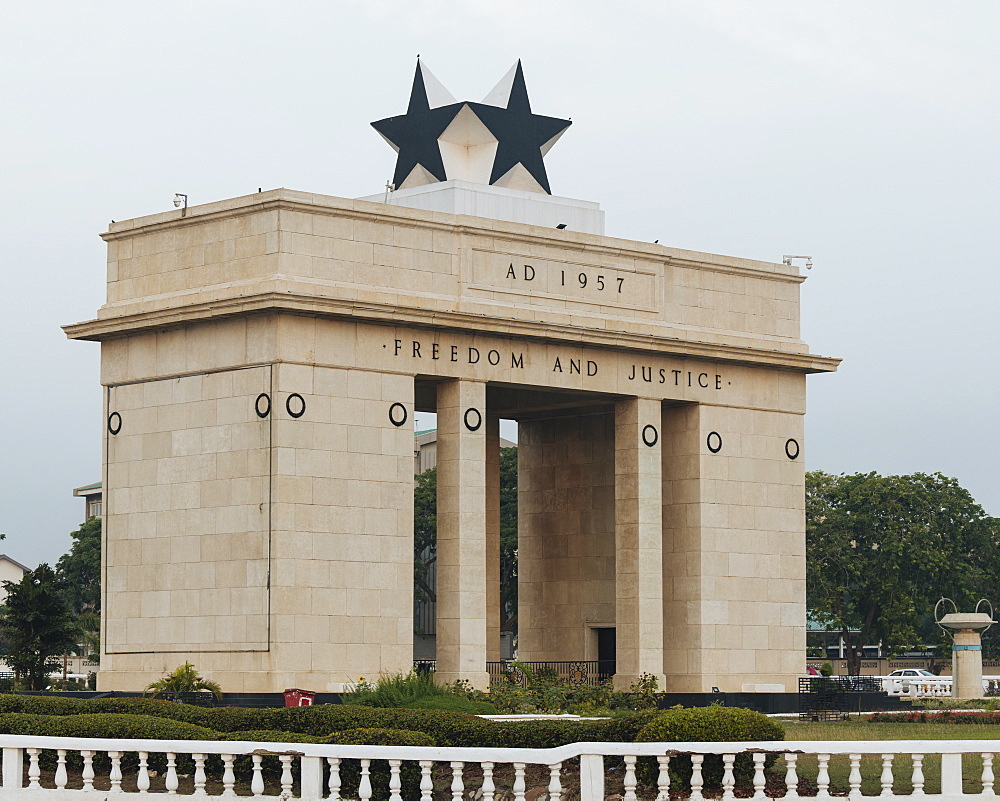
[[114, 423], [392, 418], [478, 419], [267, 408], [714, 441], [792, 449], [650, 436], [288, 405]]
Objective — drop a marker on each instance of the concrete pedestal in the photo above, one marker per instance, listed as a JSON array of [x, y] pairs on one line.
[[967, 665]]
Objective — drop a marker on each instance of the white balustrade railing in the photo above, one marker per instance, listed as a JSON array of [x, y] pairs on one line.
[[921, 687], [119, 768]]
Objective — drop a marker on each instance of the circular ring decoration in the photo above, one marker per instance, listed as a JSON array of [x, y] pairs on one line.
[[302, 408], [267, 405], [397, 410], [475, 416], [650, 436], [792, 449], [714, 441], [114, 423]]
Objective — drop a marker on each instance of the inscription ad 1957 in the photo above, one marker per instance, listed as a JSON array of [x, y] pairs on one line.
[[551, 279]]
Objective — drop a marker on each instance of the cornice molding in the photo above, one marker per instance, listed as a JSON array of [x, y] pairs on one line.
[[384, 314]]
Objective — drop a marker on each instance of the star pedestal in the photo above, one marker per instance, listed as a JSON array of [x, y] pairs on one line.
[[498, 203]]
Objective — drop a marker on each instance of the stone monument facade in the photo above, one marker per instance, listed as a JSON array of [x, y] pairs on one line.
[[263, 358]]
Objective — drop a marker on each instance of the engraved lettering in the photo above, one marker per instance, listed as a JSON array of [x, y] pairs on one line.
[[454, 353], [529, 276], [574, 366], [517, 361], [663, 377], [591, 367], [647, 374], [718, 382], [632, 377], [677, 377], [558, 366], [416, 350], [399, 347], [435, 349], [701, 376], [475, 351], [493, 357], [510, 272]]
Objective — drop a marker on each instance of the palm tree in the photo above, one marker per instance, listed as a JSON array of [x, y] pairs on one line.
[[185, 679]]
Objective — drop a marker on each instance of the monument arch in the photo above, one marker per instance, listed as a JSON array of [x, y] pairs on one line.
[[263, 357]]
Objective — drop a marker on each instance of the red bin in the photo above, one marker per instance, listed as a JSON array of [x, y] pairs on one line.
[[295, 697]]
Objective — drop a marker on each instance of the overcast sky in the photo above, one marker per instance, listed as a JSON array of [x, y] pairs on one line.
[[861, 133]]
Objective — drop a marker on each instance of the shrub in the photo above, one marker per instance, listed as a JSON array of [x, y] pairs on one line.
[[706, 725], [944, 716], [394, 690], [150, 707], [624, 728], [445, 728], [232, 718], [453, 703], [42, 704], [53, 705], [184, 679], [103, 725], [350, 769]]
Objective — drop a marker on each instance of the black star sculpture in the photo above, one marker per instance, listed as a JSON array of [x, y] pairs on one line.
[[499, 141]]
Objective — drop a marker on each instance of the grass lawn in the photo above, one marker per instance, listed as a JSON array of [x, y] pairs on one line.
[[871, 766]]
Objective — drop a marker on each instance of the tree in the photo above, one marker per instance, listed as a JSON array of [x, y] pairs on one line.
[[184, 679], [425, 536], [79, 569], [37, 625], [508, 539], [881, 550]]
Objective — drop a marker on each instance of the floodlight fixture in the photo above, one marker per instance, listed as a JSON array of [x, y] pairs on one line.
[[787, 260]]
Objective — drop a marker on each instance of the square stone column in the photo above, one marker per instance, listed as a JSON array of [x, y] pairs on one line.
[[493, 599], [461, 533], [638, 541]]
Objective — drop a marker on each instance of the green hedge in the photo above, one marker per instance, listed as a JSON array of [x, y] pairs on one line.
[[706, 725], [453, 703], [54, 705]]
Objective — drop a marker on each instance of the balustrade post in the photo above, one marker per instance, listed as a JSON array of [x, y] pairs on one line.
[[791, 776], [823, 776], [591, 777], [887, 777], [311, 779], [663, 778], [489, 787], [13, 768], [951, 774], [917, 778], [854, 777]]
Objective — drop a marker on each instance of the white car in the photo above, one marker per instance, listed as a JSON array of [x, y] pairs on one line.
[[894, 681]]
